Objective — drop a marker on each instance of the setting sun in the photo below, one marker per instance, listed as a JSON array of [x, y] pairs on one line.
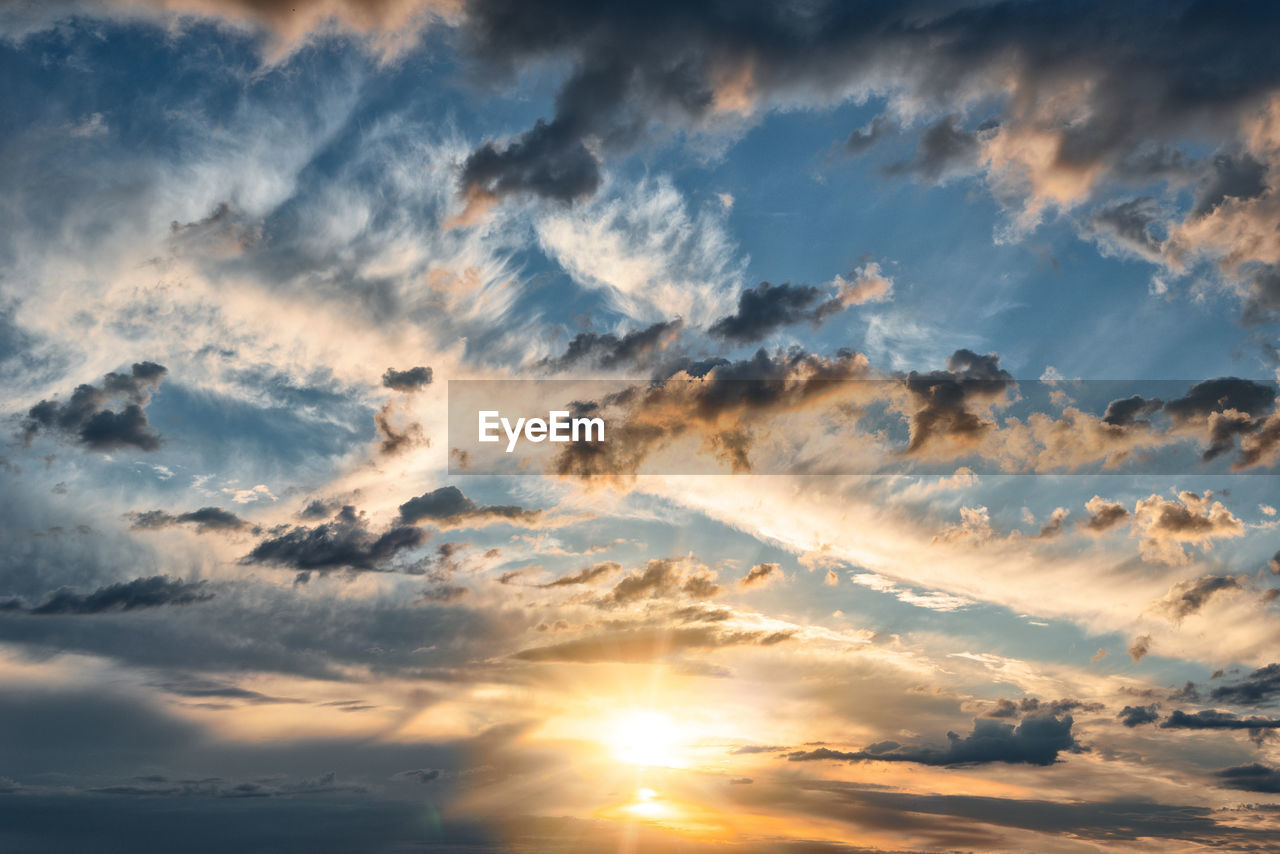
[[647, 738]]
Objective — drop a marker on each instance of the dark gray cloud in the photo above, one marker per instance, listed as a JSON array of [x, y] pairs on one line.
[[1260, 686], [1135, 716], [1214, 400], [606, 350], [1229, 176], [318, 508], [1219, 410], [345, 542], [1224, 409], [1251, 778], [1006, 708], [634, 72], [1036, 740], [549, 160], [445, 593], [154, 592], [407, 380], [765, 308], [943, 398], [1216, 719], [205, 519], [863, 139], [207, 689], [264, 627], [944, 148], [1127, 226], [1261, 294], [86, 418], [422, 775], [447, 506], [1130, 410]]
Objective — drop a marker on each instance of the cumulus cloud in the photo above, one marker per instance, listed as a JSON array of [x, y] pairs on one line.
[[1103, 515], [1225, 408], [1166, 526], [1053, 527], [86, 418], [947, 403]]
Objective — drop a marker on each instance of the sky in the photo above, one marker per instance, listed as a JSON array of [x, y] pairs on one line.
[[936, 343]]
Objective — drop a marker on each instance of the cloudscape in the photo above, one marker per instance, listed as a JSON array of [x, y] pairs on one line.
[[490, 426]]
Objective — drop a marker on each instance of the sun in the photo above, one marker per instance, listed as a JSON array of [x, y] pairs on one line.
[[647, 738]]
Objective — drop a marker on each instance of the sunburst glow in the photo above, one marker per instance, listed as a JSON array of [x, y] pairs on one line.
[[648, 738]]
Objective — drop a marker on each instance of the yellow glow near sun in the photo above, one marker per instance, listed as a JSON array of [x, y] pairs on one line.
[[647, 805], [647, 738]]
